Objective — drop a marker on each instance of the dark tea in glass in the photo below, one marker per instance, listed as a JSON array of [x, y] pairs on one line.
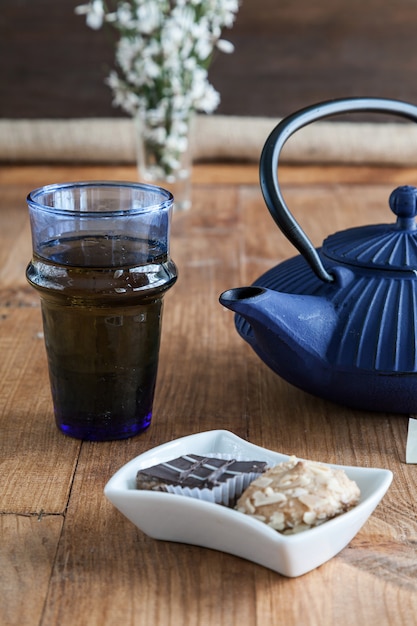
[[101, 266]]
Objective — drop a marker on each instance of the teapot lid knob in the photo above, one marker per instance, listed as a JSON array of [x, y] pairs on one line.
[[382, 246], [403, 202]]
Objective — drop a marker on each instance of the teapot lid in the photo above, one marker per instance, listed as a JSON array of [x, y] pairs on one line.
[[381, 246]]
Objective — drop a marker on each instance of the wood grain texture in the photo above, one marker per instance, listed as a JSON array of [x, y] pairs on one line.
[[27, 552], [73, 555], [287, 55]]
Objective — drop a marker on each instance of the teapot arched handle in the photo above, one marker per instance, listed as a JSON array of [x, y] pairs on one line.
[[273, 146]]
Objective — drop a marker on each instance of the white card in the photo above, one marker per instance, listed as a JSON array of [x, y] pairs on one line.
[[411, 450]]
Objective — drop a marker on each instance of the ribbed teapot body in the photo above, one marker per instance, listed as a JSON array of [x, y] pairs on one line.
[[376, 328]]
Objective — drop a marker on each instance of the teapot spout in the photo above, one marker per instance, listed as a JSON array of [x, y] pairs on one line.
[[289, 325]]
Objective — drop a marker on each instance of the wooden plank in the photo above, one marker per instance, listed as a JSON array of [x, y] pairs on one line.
[[385, 600], [189, 398], [112, 573], [203, 173], [31, 448], [287, 55], [27, 552], [288, 420], [38, 462], [95, 567], [15, 248]]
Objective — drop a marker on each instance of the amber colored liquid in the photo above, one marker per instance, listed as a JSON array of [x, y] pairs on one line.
[[102, 334]]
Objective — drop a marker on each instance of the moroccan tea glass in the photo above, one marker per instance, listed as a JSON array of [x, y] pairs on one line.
[[101, 266]]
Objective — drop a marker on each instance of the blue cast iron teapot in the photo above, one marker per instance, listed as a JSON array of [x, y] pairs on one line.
[[339, 321]]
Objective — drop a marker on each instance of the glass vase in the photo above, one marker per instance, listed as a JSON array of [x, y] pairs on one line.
[[164, 154]]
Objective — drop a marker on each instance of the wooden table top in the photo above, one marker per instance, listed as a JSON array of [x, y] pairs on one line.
[[67, 556]]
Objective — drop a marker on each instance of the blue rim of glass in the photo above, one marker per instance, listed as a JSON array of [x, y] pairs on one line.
[[33, 198]]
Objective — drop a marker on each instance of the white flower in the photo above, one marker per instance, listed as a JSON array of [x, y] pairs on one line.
[[94, 12], [148, 16], [157, 134], [124, 17], [209, 100], [225, 46], [163, 51]]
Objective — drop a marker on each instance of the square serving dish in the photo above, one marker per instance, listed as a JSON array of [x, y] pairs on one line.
[[187, 520]]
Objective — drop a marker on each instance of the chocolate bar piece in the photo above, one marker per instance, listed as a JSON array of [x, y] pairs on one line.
[[192, 471]]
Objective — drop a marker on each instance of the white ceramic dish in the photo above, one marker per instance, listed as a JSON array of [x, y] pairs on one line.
[[187, 520]]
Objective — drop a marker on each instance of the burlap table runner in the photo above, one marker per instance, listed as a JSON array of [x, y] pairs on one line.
[[217, 137]]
